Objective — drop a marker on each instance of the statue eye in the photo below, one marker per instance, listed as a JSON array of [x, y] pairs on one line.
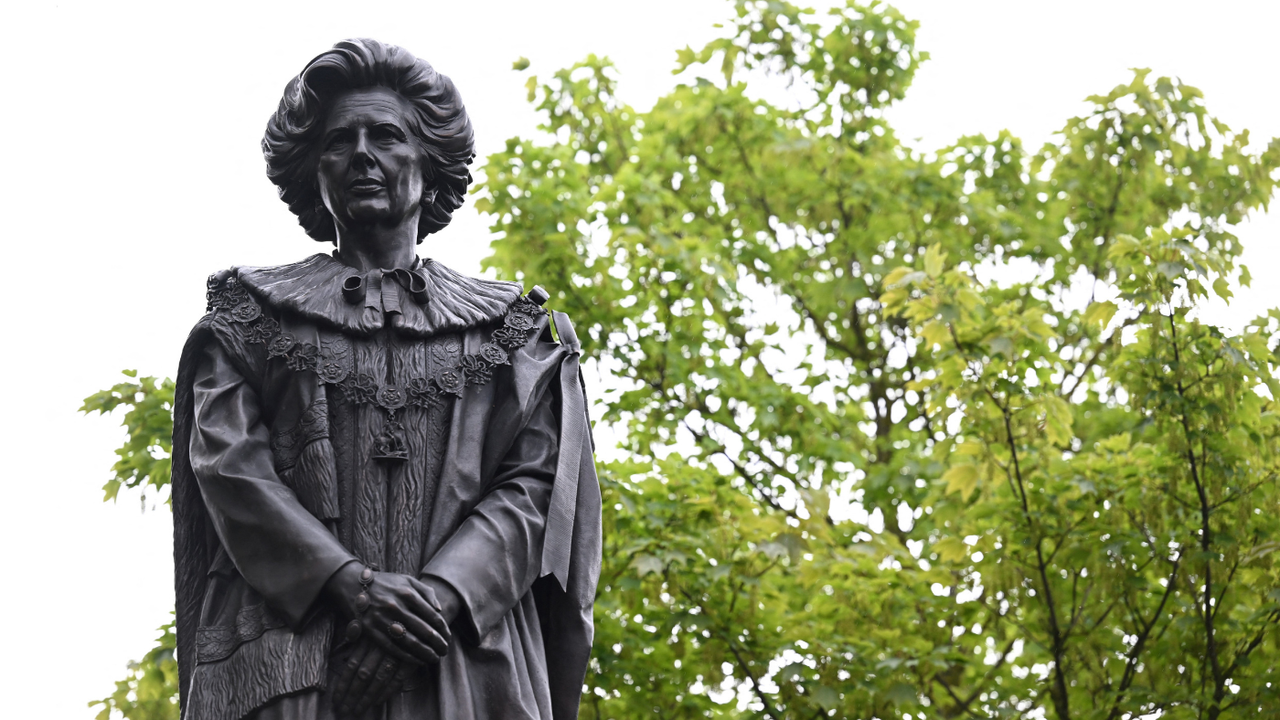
[[386, 133], [337, 139]]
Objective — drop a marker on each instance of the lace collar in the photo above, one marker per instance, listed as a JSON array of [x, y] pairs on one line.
[[427, 300]]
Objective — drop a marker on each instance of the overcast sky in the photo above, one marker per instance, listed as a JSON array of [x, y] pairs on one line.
[[131, 141]]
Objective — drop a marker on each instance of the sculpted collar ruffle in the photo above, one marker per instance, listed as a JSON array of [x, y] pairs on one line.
[[427, 300]]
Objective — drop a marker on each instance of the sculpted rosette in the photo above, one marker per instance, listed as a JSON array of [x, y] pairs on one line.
[[519, 321], [331, 372], [247, 311], [524, 306], [281, 344], [391, 397], [495, 354], [451, 381]]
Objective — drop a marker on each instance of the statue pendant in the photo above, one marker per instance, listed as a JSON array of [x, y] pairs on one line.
[[390, 445]]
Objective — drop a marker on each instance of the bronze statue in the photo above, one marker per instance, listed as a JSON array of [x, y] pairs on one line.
[[385, 502]]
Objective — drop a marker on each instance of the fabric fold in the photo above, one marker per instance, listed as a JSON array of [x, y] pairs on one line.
[[575, 433]]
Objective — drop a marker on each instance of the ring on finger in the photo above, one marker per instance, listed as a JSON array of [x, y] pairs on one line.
[[397, 630]]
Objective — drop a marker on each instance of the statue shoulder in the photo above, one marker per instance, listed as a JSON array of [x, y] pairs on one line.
[[557, 322], [528, 330], [224, 291], [552, 326]]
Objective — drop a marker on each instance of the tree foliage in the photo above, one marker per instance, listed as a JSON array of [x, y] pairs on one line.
[[148, 420], [900, 432], [150, 689], [907, 432]]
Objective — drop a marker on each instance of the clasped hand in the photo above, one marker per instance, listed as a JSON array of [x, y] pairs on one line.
[[381, 657]]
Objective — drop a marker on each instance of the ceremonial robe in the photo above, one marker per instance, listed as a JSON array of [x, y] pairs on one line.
[[415, 420]]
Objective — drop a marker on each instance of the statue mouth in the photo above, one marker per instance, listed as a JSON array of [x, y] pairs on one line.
[[365, 186]]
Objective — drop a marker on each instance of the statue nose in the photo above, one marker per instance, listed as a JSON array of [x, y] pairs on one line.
[[362, 157]]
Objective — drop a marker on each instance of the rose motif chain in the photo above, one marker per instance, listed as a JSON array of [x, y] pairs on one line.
[[226, 293]]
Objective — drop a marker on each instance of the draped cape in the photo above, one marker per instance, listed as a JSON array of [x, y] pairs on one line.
[[485, 422]]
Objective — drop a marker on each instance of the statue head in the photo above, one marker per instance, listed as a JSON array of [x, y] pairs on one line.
[[365, 73]]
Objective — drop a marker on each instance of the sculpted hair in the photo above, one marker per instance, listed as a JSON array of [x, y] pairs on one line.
[[438, 123]]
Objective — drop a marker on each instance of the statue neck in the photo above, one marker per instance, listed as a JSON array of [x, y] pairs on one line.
[[375, 246]]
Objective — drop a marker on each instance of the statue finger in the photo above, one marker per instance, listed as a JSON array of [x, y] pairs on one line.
[[405, 599], [396, 684], [394, 648], [435, 618], [425, 633], [363, 677], [347, 673], [376, 692], [398, 637]]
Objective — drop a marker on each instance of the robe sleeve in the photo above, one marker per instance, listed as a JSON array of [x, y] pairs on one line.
[[280, 549], [496, 554]]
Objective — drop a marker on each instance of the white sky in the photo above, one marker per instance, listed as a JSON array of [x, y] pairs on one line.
[[132, 145]]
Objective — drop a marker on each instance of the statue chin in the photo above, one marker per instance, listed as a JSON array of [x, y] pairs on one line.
[[357, 216]]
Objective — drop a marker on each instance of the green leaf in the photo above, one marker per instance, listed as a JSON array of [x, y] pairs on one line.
[[1123, 245], [961, 479], [934, 260], [1222, 288], [1000, 345], [1058, 420], [901, 276], [902, 694], [646, 564], [1116, 443], [936, 333], [951, 549], [828, 698], [1171, 270], [1100, 313]]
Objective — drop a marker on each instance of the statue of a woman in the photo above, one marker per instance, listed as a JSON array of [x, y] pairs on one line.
[[384, 498]]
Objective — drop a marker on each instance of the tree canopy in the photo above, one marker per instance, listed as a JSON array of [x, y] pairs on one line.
[[902, 433], [989, 349]]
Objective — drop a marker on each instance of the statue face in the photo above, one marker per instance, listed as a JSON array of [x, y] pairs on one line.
[[370, 167]]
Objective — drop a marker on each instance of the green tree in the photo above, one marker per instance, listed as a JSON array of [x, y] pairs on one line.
[[991, 350], [935, 433], [150, 689]]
